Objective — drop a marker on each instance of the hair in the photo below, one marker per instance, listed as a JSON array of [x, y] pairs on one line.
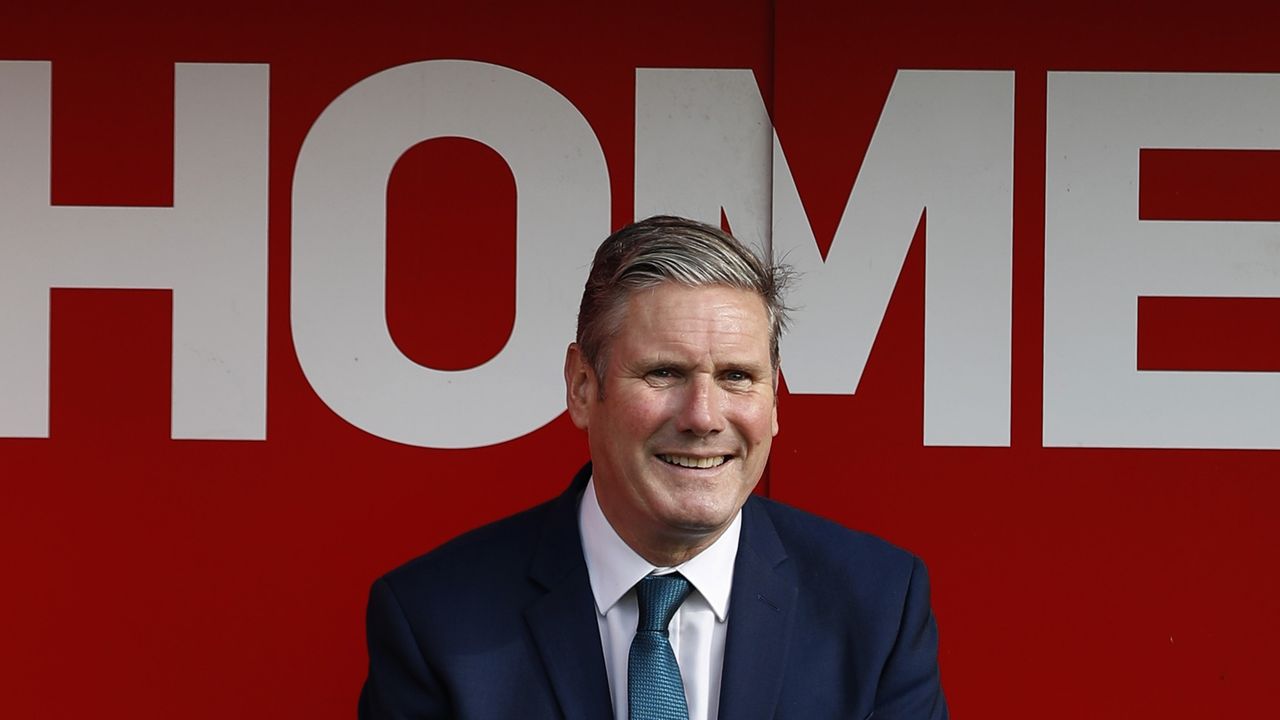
[[667, 249]]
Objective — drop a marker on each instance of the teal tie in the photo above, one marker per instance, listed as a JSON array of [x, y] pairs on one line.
[[654, 689]]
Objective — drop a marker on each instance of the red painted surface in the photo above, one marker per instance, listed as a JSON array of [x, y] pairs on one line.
[[1224, 334], [152, 578], [1208, 185]]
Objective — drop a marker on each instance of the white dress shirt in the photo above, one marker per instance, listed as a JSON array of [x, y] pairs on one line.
[[699, 627]]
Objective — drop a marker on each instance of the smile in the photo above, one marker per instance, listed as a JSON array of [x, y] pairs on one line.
[[688, 461]]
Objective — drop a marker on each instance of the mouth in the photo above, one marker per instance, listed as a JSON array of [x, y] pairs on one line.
[[695, 462]]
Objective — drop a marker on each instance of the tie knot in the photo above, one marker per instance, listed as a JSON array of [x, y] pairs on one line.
[[658, 597]]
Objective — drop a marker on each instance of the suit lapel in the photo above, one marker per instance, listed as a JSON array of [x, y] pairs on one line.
[[761, 612], [563, 622]]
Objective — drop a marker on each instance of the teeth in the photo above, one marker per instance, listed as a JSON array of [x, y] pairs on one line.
[[694, 462]]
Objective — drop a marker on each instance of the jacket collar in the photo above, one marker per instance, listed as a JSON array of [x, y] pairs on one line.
[[761, 615], [563, 621]]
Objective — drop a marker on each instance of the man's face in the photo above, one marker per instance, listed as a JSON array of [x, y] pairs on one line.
[[683, 429]]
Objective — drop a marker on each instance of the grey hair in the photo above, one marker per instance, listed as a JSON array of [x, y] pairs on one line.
[[664, 249]]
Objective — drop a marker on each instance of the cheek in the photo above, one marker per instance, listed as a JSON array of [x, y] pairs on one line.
[[638, 419], [759, 420]]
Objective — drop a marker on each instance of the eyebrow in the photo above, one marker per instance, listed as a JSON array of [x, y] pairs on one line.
[[655, 361]]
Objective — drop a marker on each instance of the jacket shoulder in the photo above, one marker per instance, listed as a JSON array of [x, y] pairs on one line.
[[863, 619], [479, 561], [840, 560]]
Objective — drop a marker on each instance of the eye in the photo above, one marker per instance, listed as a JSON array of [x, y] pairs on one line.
[[737, 376], [662, 375]]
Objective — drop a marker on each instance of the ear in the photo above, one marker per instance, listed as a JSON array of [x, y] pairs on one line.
[[775, 403], [580, 386]]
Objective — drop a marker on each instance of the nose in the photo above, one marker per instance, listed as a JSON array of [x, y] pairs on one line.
[[700, 412]]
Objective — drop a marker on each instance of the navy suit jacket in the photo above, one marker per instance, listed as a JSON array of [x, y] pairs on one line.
[[824, 622]]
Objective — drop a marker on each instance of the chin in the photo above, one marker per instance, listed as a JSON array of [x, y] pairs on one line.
[[698, 519]]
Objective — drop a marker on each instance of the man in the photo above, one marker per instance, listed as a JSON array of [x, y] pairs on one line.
[[657, 585]]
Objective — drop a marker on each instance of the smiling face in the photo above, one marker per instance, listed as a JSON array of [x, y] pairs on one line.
[[681, 431]]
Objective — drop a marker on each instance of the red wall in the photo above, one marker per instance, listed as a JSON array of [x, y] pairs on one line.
[[153, 577]]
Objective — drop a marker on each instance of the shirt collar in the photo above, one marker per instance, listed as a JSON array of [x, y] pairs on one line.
[[614, 568]]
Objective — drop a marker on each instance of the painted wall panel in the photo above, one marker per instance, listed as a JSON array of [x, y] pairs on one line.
[[173, 554]]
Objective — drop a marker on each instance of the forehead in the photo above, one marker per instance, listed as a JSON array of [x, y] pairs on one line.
[[714, 319]]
